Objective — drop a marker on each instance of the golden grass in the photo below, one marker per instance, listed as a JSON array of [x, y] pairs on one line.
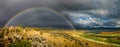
[[53, 38]]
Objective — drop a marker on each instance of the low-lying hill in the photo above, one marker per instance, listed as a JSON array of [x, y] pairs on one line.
[[37, 37]]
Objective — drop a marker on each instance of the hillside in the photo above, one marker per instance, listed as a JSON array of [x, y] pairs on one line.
[[38, 37]]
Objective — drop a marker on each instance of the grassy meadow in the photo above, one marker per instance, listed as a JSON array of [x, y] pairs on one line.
[[37, 37]]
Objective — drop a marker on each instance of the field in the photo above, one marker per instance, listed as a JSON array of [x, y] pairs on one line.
[[37, 37]]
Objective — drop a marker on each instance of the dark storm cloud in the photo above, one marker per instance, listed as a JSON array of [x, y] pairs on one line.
[[101, 9], [12, 7], [79, 4], [104, 15], [9, 8], [40, 17]]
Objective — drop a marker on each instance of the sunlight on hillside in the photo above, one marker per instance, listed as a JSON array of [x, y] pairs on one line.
[[37, 37]]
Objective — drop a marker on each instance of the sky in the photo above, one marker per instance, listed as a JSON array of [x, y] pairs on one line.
[[81, 13]]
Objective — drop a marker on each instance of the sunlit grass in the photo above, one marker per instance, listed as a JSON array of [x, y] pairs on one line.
[[37, 37]]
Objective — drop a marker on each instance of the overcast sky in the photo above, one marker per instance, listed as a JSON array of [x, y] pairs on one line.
[[94, 10]]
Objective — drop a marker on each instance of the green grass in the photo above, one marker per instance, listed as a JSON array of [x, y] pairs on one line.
[[20, 44], [113, 38]]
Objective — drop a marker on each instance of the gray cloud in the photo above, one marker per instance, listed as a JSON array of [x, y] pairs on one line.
[[40, 17], [12, 7], [94, 9], [84, 19]]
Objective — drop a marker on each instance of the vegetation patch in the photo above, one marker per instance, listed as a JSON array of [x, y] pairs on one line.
[[38, 37]]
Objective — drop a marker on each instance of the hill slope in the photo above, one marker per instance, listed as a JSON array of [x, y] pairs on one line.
[[37, 37]]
